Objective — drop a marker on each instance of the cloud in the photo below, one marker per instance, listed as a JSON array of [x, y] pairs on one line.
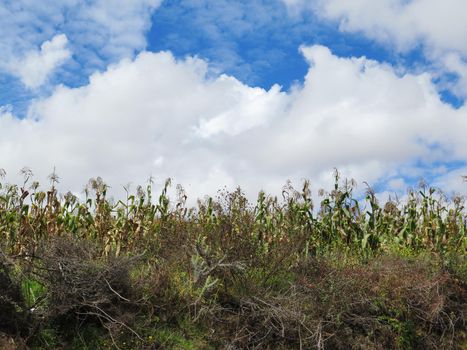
[[454, 63], [98, 31], [450, 181], [114, 31], [437, 27], [440, 25], [36, 66], [170, 118]]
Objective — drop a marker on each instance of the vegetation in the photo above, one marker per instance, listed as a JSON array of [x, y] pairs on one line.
[[147, 272]]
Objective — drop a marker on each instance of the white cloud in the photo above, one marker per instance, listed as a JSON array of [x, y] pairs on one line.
[[440, 24], [253, 111], [36, 66], [98, 32], [455, 64], [439, 27], [117, 29], [155, 115], [451, 182], [398, 184]]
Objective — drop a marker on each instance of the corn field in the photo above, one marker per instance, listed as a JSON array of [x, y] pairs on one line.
[[229, 262], [427, 220]]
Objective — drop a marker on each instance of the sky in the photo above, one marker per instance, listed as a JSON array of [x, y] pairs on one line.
[[226, 93]]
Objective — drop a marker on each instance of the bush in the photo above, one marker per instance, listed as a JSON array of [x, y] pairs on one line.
[[13, 313], [84, 287], [390, 303]]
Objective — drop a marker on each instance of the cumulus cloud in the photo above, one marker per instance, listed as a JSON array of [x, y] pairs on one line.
[[156, 115], [36, 66], [437, 26]]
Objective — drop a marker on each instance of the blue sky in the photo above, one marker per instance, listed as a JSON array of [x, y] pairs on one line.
[[375, 89], [256, 41]]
